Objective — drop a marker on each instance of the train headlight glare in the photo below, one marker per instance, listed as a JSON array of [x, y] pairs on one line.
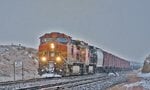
[[43, 59], [58, 59], [52, 45]]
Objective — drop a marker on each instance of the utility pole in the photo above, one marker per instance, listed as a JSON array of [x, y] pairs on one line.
[[14, 71], [22, 72]]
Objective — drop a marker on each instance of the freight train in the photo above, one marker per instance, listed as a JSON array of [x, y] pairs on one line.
[[59, 53]]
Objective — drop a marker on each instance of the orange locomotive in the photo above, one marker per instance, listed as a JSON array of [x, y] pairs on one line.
[[58, 53]]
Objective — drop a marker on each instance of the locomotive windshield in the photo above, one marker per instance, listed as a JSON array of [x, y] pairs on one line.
[[60, 40], [44, 40]]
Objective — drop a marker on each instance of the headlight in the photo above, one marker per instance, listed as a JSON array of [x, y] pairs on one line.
[[43, 59], [58, 59], [52, 45]]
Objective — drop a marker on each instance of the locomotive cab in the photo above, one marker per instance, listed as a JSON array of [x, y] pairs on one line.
[[52, 52]]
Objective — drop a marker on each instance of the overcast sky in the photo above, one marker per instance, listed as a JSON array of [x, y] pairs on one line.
[[119, 26]]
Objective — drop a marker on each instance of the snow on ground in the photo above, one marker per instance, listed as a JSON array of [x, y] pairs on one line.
[[49, 75], [113, 74], [135, 81], [144, 82], [11, 55], [133, 84], [144, 75], [146, 79]]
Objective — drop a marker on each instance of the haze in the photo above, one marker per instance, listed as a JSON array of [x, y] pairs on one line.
[[119, 26]]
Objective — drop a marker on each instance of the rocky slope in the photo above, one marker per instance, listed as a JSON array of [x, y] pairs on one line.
[[17, 56], [146, 67]]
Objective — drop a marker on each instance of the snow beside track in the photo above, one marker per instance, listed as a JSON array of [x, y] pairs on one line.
[[145, 82], [144, 75], [135, 81]]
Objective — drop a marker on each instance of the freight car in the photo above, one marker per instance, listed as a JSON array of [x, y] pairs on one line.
[[59, 53], [108, 62]]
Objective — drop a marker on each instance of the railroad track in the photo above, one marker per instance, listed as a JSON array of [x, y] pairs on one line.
[[68, 84], [33, 80], [40, 83]]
